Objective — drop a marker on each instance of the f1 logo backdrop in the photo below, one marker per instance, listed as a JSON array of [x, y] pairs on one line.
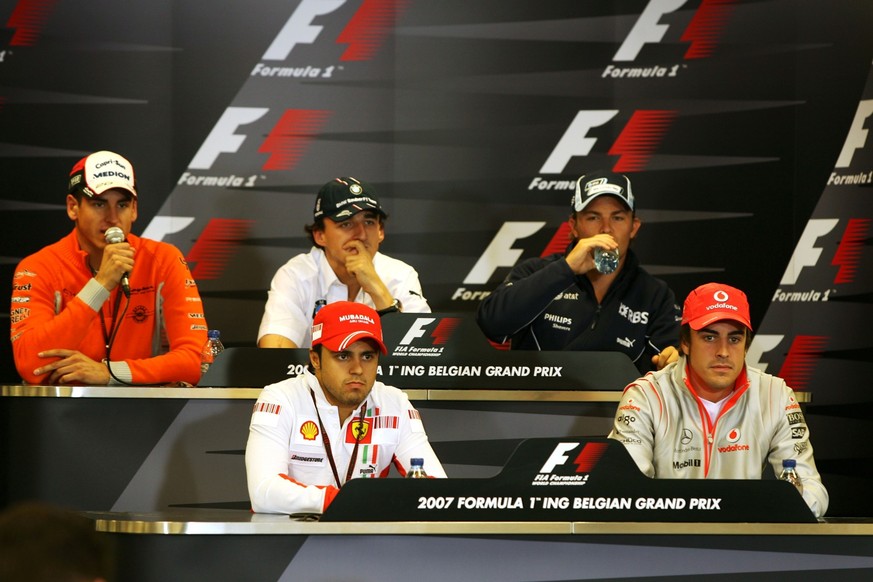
[[703, 32], [810, 333], [744, 127]]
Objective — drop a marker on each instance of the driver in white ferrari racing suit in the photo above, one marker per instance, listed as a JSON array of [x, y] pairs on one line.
[[309, 435]]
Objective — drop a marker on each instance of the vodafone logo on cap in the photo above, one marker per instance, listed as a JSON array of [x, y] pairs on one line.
[[721, 298]]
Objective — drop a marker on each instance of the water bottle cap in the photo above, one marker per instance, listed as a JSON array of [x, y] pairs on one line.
[[790, 463], [213, 334], [416, 462]]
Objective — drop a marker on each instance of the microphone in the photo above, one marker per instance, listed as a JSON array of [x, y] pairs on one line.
[[114, 235]]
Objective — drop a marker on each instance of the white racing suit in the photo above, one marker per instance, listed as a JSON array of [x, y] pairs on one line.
[[287, 468]]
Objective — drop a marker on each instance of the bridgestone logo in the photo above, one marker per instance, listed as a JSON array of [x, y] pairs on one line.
[[306, 459]]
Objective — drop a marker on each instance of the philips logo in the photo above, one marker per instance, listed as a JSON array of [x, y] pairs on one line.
[[558, 319]]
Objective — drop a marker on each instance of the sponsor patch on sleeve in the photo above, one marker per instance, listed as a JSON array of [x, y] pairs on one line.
[[266, 413], [415, 423]]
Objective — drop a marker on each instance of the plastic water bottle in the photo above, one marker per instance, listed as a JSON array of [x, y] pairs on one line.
[[211, 348], [789, 473], [416, 469], [605, 261]]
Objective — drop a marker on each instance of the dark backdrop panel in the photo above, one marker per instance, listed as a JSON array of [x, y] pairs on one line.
[[471, 120]]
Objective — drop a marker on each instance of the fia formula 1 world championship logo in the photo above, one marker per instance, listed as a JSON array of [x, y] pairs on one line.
[[559, 470]]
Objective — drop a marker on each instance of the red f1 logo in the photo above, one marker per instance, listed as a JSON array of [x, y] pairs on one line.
[[703, 31], [441, 333], [635, 146], [847, 256], [28, 20], [585, 461], [285, 143], [363, 34]]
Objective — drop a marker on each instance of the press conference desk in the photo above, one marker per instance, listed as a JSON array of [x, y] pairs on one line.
[[149, 449], [235, 522], [160, 471], [537, 519], [238, 545]]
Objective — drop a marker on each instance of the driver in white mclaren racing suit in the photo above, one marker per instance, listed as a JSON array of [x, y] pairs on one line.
[[708, 415]]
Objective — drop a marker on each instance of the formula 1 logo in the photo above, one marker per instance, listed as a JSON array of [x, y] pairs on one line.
[[703, 32], [800, 362], [560, 470], [855, 140], [363, 34], [501, 253], [423, 338], [809, 251], [28, 20], [585, 461], [441, 333], [635, 145], [285, 143], [216, 246]]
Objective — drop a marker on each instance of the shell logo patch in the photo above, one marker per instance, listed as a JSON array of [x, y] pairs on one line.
[[309, 430]]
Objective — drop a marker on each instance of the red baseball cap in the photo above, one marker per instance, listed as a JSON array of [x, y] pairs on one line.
[[715, 302], [340, 324]]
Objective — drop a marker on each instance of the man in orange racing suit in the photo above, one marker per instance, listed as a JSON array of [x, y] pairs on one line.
[[96, 308]]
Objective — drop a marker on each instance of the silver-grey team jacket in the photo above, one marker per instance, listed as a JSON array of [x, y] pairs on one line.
[[667, 431]]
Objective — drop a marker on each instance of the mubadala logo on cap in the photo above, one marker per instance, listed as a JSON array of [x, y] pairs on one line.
[[357, 318]]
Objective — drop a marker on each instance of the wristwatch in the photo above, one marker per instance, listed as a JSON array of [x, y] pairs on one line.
[[394, 307]]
